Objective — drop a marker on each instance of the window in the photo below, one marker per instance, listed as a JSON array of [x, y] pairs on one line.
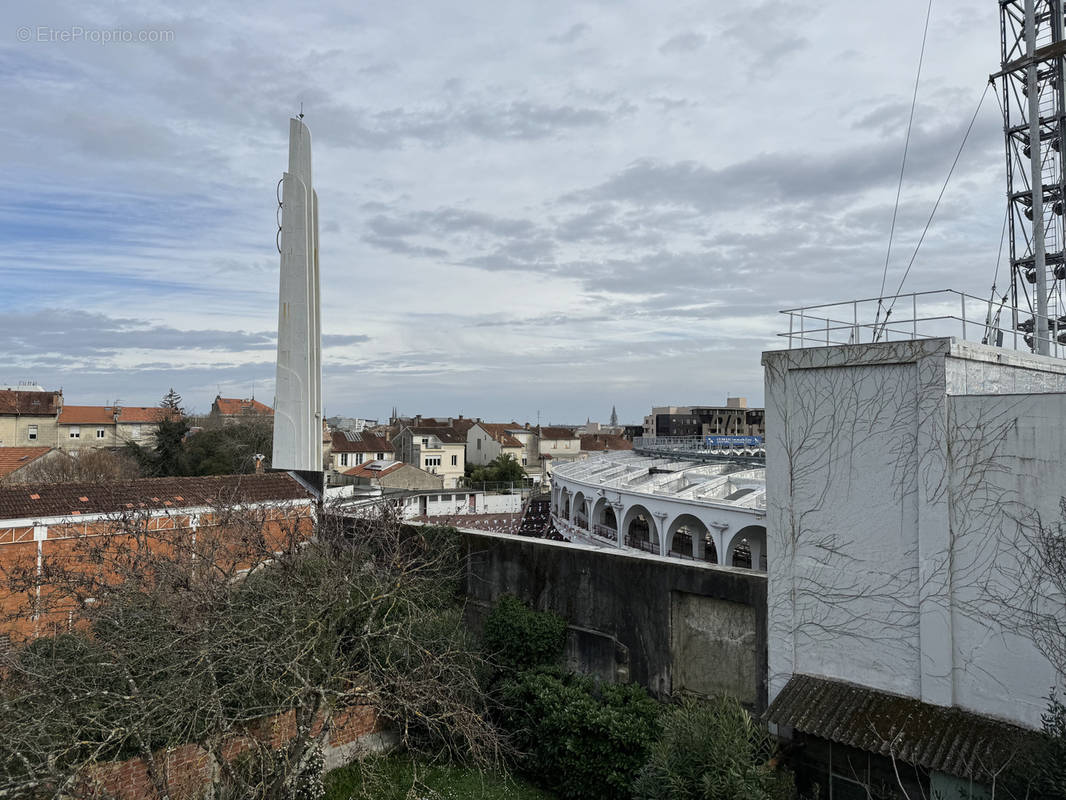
[[455, 461], [344, 459], [75, 432], [358, 458], [433, 461], [425, 442], [478, 444], [31, 433], [381, 456], [101, 433], [524, 461]]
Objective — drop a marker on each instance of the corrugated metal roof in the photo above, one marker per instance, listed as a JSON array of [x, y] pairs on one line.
[[950, 740]]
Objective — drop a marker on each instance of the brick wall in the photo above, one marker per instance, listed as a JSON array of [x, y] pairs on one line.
[[189, 768]]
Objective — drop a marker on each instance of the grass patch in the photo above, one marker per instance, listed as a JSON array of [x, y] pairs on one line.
[[402, 778]]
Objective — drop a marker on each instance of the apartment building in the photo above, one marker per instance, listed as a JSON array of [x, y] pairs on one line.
[[441, 451], [28, 416]]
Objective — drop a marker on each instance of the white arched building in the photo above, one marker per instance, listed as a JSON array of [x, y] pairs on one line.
[[684, 509]]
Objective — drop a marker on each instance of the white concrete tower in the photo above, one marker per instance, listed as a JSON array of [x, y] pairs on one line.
[[298, 398]]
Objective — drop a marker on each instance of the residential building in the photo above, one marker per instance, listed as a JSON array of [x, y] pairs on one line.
[[228, 410], [441, 451], [556, 445], [15, 462], [487, 441], [348, 449], [80, 427], [28, 416], [734, 418], [393, 475]]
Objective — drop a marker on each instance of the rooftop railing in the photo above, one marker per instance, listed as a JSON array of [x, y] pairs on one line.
[[920, 315]]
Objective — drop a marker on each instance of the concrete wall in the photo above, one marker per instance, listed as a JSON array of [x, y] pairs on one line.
[[669, 625], [895, 473]]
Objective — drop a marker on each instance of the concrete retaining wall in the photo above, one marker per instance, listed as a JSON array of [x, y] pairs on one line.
[[669, 625]]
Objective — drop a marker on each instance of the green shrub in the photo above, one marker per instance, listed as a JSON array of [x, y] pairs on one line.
[[579, 738], [516, 637], [711, 750]]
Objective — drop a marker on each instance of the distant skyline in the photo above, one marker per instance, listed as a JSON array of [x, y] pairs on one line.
[[554, 206]]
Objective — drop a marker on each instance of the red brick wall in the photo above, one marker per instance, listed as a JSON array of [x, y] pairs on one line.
[[189, 767]]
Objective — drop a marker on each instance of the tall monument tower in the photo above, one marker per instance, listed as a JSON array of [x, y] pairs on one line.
[[298, 398]]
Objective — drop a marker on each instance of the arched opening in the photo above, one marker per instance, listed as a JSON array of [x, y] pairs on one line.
[[604, 521], [566, 506], [640, 530], [747, 548], [578, 516], [689, 538]]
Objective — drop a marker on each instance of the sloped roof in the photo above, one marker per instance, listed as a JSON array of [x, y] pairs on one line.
[[31, 501], [605, 441], [144, 414], [557, 433], [950, 740], [13, 458], [29, 403], [375, 469], [348, 442], [499, 432], [446, 435], [87, 415], [235, 406]]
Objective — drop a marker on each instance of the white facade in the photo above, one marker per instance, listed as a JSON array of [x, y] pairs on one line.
[[903, 478], [708, 512], [298, 398]]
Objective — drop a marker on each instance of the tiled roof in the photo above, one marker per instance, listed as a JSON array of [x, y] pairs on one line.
[[375, 469], [950, 740], [347, 442], [557, 433], [235, 406], [33, 501], [605, 441], [143, 414], [87, 415], [14, 401], [499, 432], [13, 458], [446, 435]]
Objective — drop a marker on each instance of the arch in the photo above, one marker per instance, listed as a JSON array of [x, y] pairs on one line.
[[578, 514], [565, 505], [639, 529], [604, 523], [747, 548], [689, 538]]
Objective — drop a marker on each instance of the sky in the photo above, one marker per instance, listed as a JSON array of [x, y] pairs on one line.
[[526, 208]]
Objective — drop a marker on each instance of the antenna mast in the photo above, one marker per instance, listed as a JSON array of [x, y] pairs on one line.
[[1033, 109]]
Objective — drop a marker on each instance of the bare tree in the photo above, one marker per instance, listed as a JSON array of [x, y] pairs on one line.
[[96, 465], [167, 637]]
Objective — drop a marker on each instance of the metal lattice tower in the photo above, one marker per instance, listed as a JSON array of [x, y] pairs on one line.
[[1033, 107]]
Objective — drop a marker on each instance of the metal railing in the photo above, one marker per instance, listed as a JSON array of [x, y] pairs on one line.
[[696, 447], [919, 315]]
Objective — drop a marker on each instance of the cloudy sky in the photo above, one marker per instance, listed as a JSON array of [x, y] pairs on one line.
[[525, 206]]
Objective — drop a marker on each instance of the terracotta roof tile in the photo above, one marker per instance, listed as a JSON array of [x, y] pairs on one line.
[[47, 500], [144, 414], [235, 406], [557, 433], [87, 415], [369, 470], [605, 441], [13, 458], [446, 435]]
